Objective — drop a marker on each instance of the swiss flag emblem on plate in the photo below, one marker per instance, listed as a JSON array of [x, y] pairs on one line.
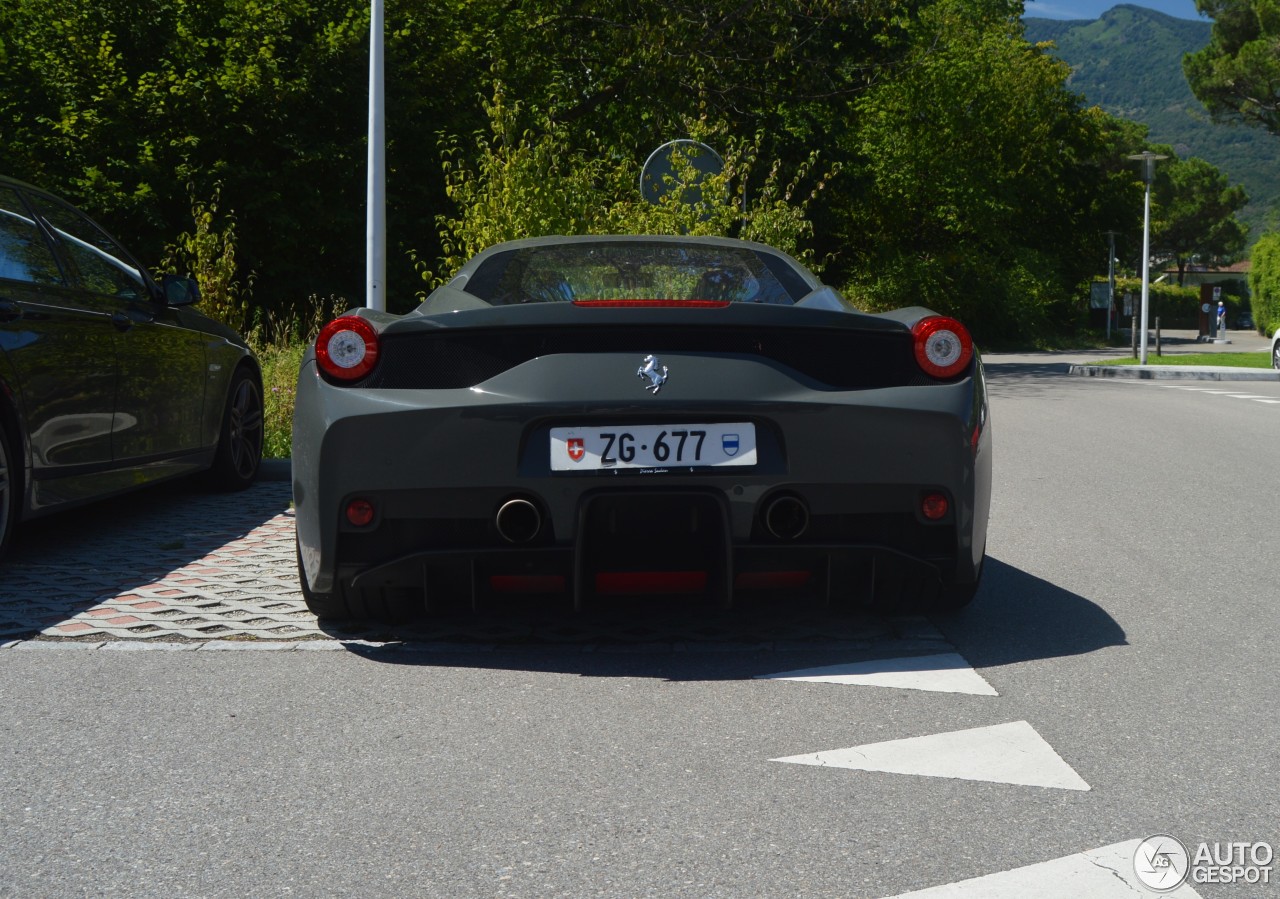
[[576, 449]]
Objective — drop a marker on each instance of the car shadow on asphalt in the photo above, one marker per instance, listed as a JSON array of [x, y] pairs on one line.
[[63, 565], [1016, 617], [1019, 617]]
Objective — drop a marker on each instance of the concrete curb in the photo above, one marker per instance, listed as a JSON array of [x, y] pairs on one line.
[[1176, 372]]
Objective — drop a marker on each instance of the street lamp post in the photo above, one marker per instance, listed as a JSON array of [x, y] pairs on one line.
[[1148, 175], [376, 212]]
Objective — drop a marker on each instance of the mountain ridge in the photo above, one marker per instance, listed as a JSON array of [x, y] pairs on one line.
[[1129, 62]]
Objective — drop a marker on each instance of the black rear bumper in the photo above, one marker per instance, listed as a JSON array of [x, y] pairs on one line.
[[665, 541]]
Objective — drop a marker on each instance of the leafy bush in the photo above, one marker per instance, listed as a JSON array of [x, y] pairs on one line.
[[208, 254], [1177, 307], [539, 183], [1012, 304], [280, 365], [279, 345], [1264, 282]]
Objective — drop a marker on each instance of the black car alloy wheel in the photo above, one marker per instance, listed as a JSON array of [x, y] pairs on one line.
[[246, 428], [240, 449]]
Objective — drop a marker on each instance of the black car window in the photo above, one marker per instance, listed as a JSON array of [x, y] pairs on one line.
[[103, 264], [636, 272], [24, 253]]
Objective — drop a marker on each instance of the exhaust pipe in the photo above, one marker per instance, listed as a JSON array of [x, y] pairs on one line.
[[518, 521], [786, 517]]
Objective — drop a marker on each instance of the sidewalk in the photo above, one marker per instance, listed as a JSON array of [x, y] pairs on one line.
[[1173, 343]]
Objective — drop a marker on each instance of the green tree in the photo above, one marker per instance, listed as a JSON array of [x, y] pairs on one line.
[[123, 106], [969, 177], [1237, 76], [989, 186], [1196, 214], [527, 184], [631, 75]]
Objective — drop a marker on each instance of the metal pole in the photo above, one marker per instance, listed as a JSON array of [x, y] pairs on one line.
[[1111, 281], [1148, 160], [376, 215], [1146, 267]]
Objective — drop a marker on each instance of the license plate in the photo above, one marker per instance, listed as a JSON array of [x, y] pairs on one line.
[[653, 446]]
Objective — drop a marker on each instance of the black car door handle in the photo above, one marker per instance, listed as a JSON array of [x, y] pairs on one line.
[[127, 318], [9, 310]]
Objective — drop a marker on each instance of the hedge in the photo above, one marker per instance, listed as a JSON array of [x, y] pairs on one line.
[[1264, 282], [1179, 307]]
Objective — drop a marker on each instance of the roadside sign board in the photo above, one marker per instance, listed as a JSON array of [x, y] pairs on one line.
[[1099, 295]]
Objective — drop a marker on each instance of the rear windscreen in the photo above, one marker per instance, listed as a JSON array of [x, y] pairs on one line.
[[637, 271]]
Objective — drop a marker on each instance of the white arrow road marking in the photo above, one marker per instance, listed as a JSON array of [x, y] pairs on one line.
[[1105, 873], [942, 673], [1003, 753]]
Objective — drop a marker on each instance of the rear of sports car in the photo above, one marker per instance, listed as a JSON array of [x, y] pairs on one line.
[[580, 448]]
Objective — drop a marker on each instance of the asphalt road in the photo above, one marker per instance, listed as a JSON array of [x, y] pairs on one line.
[[1125, 633]]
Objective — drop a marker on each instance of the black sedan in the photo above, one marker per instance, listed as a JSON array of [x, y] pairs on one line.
[[108, 380], [594, 417]]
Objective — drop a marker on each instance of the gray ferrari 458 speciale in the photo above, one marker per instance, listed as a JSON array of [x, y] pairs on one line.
[[590, 417]]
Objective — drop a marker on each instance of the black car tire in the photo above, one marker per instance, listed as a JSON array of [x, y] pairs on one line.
[[389, 606], [1275, 356], [324, 606], [240, 441], [10, 489], [954, 597]]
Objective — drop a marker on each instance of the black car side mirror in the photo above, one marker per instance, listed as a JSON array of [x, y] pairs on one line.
[[180, 291]]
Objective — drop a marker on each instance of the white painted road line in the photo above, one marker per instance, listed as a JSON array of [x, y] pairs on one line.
[[1105, 873], [941, 673], [1010, 753], [1257, 398]]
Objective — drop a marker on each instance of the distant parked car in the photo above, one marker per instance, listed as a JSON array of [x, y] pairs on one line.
[[1244, 322], [108, 380]]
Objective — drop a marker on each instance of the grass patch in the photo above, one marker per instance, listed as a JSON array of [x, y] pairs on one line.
[[1219, 360], [279, 385]]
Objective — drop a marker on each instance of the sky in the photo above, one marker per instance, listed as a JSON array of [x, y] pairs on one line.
[[1091, 9]]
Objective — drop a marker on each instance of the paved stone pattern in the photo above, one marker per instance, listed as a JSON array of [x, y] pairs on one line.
[[176, 567], [182, 567]]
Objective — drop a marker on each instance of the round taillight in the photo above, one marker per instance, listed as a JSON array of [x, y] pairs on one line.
[[347, 348], [934, 506], [943, 346], [360, 512]]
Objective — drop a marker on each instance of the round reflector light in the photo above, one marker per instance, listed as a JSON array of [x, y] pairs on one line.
[[347, 348], [943, 346], [360, 512], [934, 506]]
